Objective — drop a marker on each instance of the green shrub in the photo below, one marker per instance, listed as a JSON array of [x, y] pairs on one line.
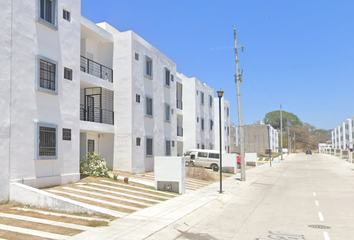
[[93, 165]]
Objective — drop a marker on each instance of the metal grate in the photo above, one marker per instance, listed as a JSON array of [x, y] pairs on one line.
[[66, 134], [319, 226], [47, 75], [47, 141]]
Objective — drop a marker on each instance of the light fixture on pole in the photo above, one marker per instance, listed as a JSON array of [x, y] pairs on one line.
[[220, 94]]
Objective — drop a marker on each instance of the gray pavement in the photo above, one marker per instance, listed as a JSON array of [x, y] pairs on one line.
[[301, 191]]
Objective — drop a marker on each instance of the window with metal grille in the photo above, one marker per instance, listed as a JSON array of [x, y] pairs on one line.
[[168, 148], [149, 147], [68, 73], [138, 141], [47, 141], [167, 77], [148, 67], [47, 75], [149, 110], [66, 134], [66, 15], [47, 11], [167, 113]]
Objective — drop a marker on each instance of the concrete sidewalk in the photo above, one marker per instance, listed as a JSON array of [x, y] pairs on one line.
[[144, 223]]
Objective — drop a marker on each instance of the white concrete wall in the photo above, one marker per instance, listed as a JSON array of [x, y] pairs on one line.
[[29, 106], [5, 96], [170, 169]]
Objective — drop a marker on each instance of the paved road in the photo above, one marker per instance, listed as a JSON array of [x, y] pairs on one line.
[[285, 199]]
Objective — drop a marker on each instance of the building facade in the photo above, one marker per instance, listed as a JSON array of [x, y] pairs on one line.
[[342, 136], [70, 87]]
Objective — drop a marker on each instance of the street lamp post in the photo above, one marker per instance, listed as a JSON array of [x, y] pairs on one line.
[[220, 94], [270, 150]]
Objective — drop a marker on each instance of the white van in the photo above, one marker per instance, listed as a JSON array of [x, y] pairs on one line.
[[203, 158]]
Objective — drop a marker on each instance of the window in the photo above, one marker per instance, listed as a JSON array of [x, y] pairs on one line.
[[214, 155], [136, 56], [68, 73], [137, 98], [172, 78], [66, 134], [47, 13], [46, 141], [202, 154], [168, 148], [203, 146], [210, 101], [46, 71], [202, 98], [66, 15], [197, 92], [173, 143], [167, 77], [138, 141], [148, 67], [197, 145], [211, 125], [202, 124], [149, 147], [167, 113], [197, 119], [149, 110], [228, 131], [227, 111]]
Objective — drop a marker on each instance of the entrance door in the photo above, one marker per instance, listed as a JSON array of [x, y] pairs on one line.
[[90, 146]]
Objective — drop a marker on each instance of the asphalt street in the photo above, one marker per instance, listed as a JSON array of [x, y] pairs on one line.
[[305, 197]]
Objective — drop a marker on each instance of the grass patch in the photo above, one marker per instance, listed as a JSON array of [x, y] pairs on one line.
[[199, 173]]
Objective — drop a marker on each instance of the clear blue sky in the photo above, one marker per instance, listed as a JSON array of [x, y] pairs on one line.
[[298, 53]]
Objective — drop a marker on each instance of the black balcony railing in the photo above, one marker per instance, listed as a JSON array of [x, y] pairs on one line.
[[98, 115], [179, 104], [96, 69], [180, 131]]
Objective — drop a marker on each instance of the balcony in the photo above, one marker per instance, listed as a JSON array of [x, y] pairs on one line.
[[179, 104], [94, 114], [96, 69], [180, 131]]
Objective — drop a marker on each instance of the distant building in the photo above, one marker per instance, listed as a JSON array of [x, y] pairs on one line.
[[257, 137], [342, 136]]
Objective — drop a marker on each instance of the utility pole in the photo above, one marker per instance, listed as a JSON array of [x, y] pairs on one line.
[[281, 134], [238, 80], [289, 148]]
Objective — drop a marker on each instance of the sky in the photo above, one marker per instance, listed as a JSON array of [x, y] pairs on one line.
[[298, 53]]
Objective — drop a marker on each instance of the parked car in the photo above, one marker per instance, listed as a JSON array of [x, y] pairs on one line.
[[205, 158], [308, 152]]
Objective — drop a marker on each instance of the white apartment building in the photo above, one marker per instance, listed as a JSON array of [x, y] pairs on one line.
[[70, 87], [342, 136], [39, 94], [198, 114], [225, 124]]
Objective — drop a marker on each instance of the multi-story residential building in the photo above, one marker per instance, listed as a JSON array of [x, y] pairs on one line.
[[198, 114], [343, 135], [70, 87], [40, 122], [258, 137], [225, 124]]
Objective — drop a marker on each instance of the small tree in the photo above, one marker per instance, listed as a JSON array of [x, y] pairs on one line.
[[93, 165]]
